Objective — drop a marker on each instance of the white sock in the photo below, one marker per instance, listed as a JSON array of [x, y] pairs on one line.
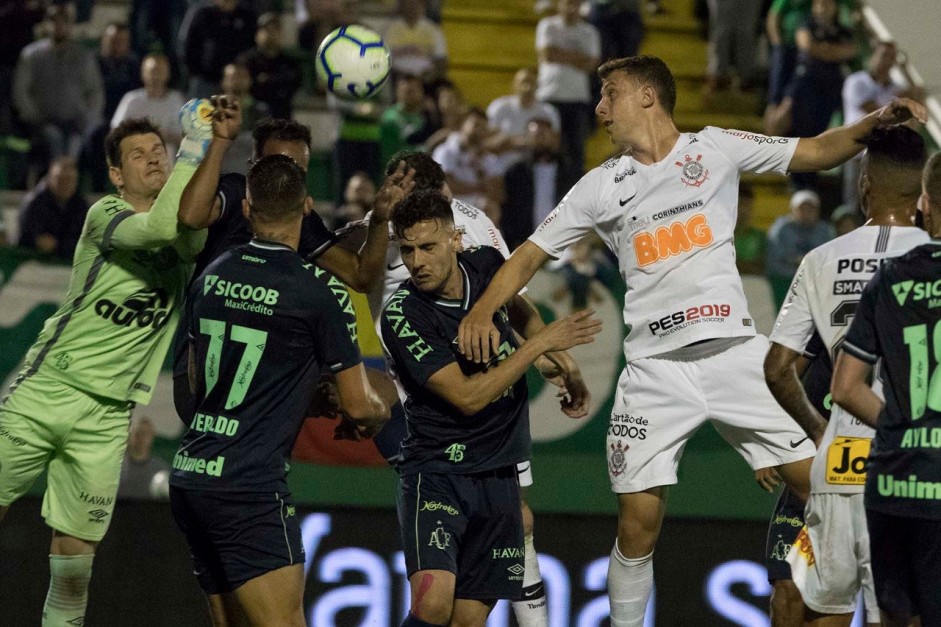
[[68, 590], [629, 584], [532, 611]]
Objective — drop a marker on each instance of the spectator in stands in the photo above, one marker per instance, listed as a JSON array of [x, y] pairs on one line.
[[318, 18], [535, 185], [620, 26], [864, 92], [237, 83], [143, 476], [119, 66], [406, 124], [510, 116], [569, 50], [750, 242], [784, 17], [449, 112], [358, 145], [793, 236], [276, 77], [732, 31], [417, 44], [213, 36], [58, 87], [155, 27], [358, 197], [53, 213], [846, 219], [473, 174], [18, 18], [155, 100], [120, 73]]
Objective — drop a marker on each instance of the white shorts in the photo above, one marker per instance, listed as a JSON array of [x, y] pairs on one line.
[[524, 472], [661, 403], [836, 524]]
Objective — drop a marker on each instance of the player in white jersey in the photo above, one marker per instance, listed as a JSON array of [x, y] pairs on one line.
[[476, 230], [823, 297], [667, 208]]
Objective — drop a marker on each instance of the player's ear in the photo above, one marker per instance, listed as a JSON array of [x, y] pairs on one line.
[[246, 209], [114, 174], [648, 96], [457, 240], [924, 206], [308, 205]]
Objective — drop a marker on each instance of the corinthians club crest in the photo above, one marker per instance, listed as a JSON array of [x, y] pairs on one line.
[[694, 172], [616, 460]]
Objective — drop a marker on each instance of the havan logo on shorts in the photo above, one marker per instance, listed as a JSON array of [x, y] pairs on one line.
[[145, 308], [510, 552], [671, 240]]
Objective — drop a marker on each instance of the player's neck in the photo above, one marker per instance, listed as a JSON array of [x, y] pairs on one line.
[[290, 238], [892, 213], [656, 141], [453, 288], [140, 203]]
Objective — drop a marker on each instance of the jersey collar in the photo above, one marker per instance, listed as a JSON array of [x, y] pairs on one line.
[[463, 303], [269, 245]]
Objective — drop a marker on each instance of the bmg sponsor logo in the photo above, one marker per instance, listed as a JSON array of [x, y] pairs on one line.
[[671, 240]]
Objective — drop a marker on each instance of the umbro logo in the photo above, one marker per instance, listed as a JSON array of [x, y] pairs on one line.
[[624, 202]]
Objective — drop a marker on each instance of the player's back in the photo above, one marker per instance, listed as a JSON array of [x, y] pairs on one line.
[[263, 326]]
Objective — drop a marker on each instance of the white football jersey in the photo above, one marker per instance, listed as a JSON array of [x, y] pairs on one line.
[[671, 226], [823, 297]]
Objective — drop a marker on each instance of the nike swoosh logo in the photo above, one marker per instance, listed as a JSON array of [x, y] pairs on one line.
[[798, 443], [531, 594], [624, 202], [390, 267]]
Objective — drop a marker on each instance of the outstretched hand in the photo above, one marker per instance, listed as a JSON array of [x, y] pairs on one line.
[[394, 189], [227, 117], [560, 335], [899, 111], [574, 397]]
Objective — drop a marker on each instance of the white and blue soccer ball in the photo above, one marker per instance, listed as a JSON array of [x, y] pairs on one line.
[[196, 118], [353, 62]]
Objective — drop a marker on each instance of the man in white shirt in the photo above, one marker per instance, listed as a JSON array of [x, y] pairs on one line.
[[569, 49], [823, 298], [154, 100], [417, 44], [864, 92], [510, 116], [667, 208]]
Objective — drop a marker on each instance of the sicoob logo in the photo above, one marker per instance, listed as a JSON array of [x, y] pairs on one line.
[[145, 308]]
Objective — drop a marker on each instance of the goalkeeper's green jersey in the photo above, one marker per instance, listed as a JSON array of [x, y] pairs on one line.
[[129, 277]]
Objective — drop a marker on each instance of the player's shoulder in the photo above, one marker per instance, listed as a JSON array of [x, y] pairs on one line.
[[232, 182], [106, 208], [481, 258], [918, 257], [405, 302]]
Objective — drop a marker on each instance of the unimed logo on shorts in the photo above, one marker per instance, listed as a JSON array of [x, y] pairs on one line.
[[671, 240]]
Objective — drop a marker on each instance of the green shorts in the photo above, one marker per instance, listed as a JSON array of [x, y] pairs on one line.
[[79, 436]]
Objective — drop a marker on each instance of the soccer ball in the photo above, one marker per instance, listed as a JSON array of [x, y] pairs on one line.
[[353, 62]]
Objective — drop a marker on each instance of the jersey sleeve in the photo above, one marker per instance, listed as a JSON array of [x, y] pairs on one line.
[[814, 347], [113, 224], [315, 237], [416, 346], [795, 324], [753, 152], [861, 340], [572, 218], [334, 322]]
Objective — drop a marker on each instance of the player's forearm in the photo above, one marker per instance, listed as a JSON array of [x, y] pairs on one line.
[[833, 147], [858, 399], [372, 256], [479, 390], [199, 195], [158, 226], [511, 277], [787, 390]]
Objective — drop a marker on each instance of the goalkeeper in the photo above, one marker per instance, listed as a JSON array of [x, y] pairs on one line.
[[100, 353]]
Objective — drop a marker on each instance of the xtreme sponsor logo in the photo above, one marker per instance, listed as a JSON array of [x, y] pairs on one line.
[[690, 316], [919, 290], [403, 330], [144, 308], [628, 426]]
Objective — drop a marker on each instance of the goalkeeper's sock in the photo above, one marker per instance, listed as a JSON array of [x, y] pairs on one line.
[[68, 590]]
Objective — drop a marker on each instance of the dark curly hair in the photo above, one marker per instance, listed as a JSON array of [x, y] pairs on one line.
[[428, 174], [127, 128], [421, 206], [283, 130]]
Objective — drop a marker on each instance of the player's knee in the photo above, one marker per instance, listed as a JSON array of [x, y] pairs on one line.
[[434, 609], [636, 539]]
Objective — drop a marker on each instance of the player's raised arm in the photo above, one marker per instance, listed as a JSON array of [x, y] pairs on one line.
[[200, 207], [470, 394], [833, 147], [364, 270], [477, 337]]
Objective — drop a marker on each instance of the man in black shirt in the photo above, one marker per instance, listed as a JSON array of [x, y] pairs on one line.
[[468, 424], [276, 77], [897, 325], [263, 325], [214, 201]]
